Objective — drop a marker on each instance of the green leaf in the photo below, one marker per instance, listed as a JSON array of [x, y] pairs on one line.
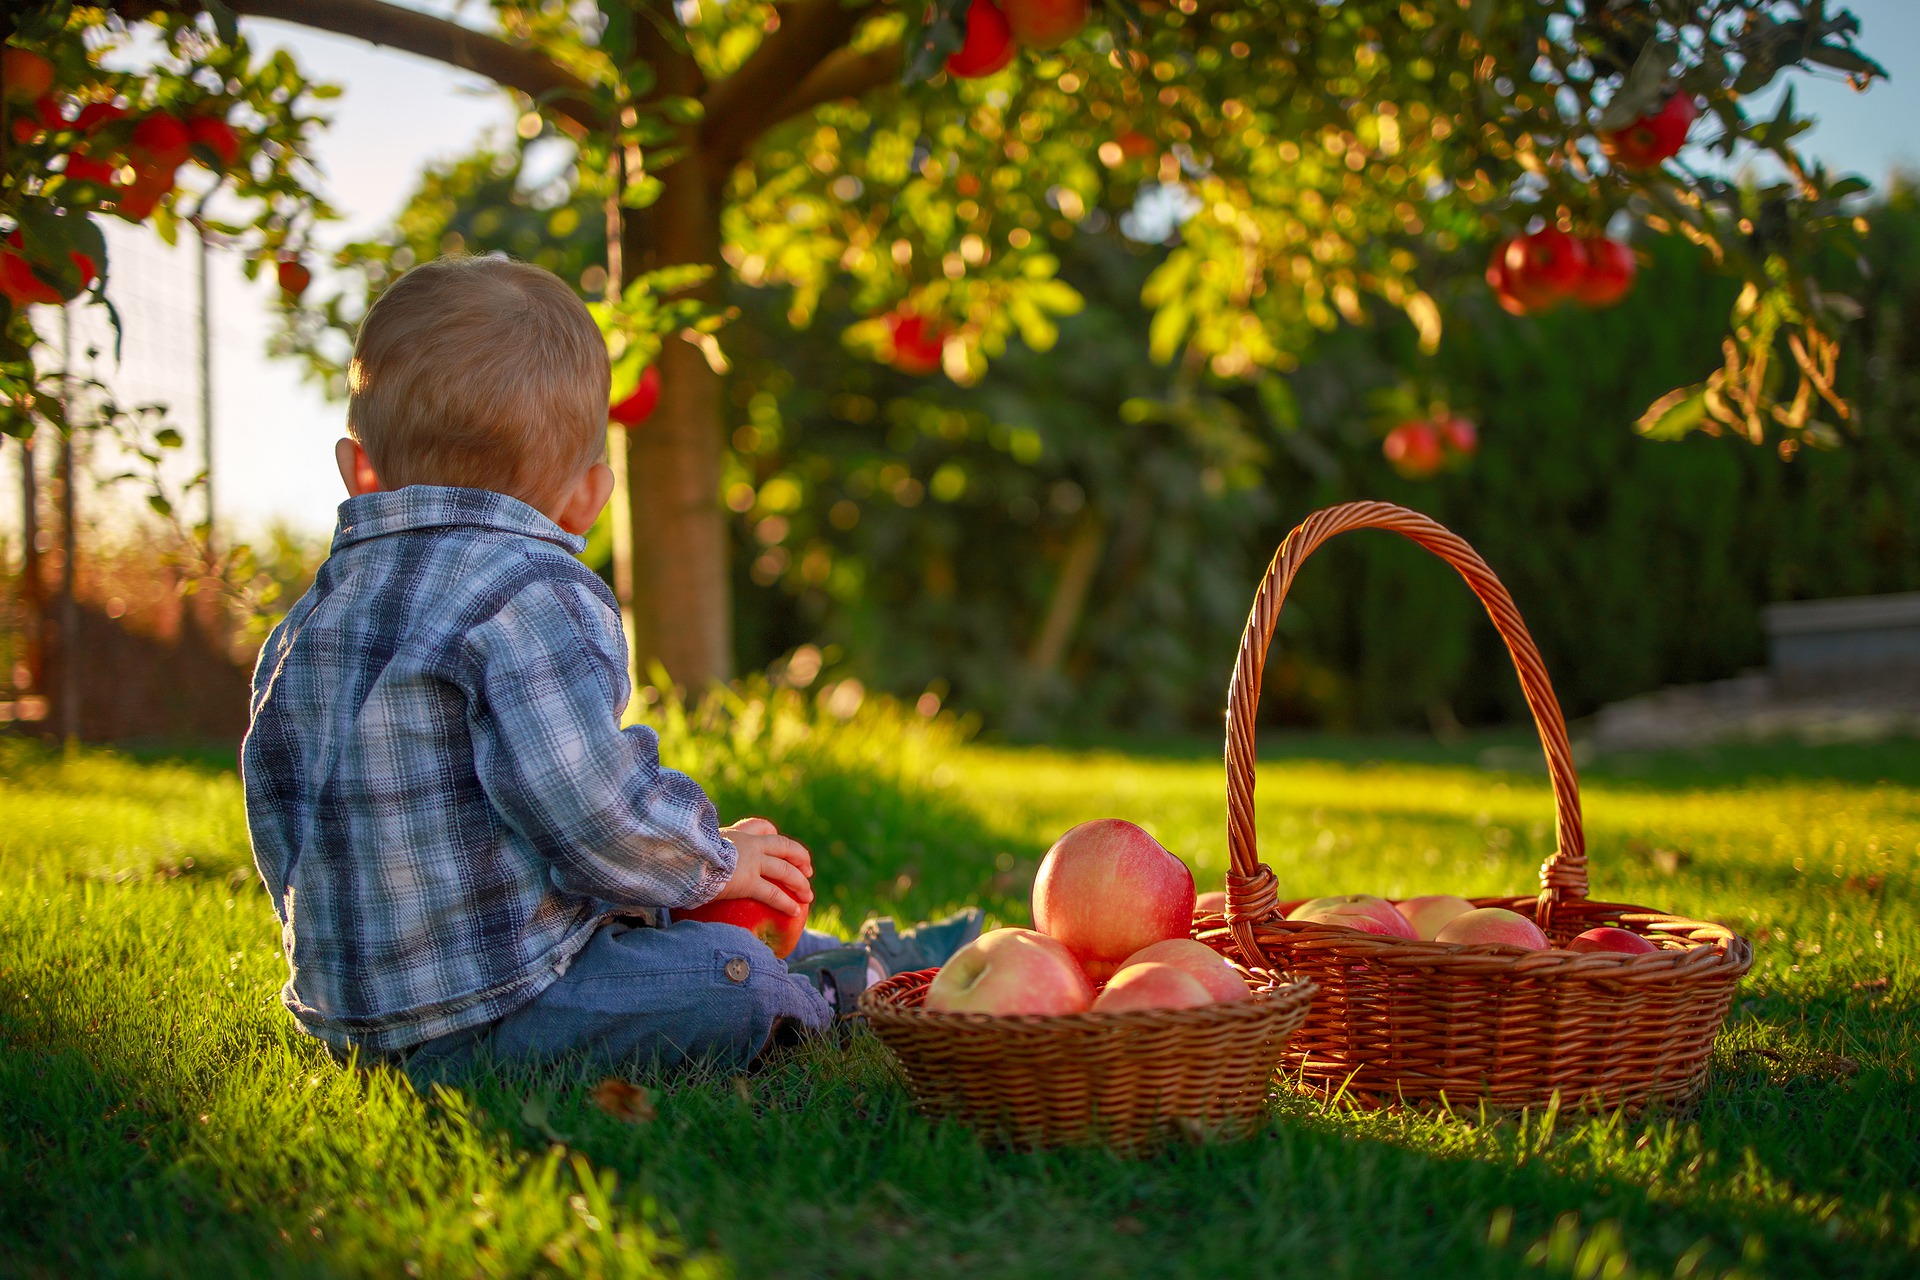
[[1674, 415]]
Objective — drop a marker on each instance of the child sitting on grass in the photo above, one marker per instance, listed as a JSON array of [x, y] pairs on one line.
[[466, 852]]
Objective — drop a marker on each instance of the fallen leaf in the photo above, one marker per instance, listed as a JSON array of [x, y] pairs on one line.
[[624, 1100], [1872, 984]]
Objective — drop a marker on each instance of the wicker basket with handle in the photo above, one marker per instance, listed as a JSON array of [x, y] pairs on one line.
[[1400, 1022], [1123, 1079]]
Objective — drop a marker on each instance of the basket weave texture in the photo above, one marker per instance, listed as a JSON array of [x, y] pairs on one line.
[[1400, 1022], [1123, 1079]]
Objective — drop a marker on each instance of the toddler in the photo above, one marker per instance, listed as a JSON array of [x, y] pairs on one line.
[[465, 850]]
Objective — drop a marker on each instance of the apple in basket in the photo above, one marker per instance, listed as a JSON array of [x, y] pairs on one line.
[[1195, 959], [1606, 938], [1107, 889], [1428, 914], [780, 931], [1211, 903], [1008, 971], [1360, 911], [1485, 925], [1151, 986]]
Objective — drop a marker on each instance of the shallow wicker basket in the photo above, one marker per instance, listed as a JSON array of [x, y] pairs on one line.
[[1399, 1022], [1123, 1079]]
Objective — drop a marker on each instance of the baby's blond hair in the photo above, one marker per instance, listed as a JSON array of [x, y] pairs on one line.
[[480, 373]]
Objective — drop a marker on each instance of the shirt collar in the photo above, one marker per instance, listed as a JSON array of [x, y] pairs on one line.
[[425, 506]]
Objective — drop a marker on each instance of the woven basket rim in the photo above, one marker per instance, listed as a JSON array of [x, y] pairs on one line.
[[1690, 956], [883, 1000]]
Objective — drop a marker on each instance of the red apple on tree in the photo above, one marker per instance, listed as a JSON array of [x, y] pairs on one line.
[[1609, 275], [293, 277], [1042, 24], [1537, 271], [210, 133], [1458, 435], [780, 931], [1106, 889], [1654, 137], [639, 406], [1010, 971], [160, 141], [989, 43], [917, 342], [1414, 449], [26, 73]]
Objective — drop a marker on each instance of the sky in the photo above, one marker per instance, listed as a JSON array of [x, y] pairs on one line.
[[274, 432]]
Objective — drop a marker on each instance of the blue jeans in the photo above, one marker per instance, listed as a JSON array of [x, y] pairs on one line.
[[689, 991]]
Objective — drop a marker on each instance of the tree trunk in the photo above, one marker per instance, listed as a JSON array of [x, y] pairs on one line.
[[682, 611]]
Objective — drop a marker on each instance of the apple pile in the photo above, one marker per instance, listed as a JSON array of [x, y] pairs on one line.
[[1441, 917], [1112, 910]]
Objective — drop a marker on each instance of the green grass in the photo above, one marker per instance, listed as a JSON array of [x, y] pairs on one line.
[[158, 1115]]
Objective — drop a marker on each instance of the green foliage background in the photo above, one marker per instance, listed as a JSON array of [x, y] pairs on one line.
[[916, 531]]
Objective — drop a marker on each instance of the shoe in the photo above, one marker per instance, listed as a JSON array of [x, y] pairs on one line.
[[841, 975], [925, 946]]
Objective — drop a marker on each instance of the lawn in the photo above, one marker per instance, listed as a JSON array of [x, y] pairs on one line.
[[158, 1116]]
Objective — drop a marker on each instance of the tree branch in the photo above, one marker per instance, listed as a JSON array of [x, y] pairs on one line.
[[741, 107], [843, 74], [427, 36]]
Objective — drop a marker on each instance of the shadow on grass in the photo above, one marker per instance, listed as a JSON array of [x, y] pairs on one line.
[[817, 1165]]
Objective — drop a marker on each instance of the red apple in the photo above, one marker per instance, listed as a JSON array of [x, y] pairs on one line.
[[160, 140], [26, 74], [1654, 137], [780, 931], [1610, 271], [1489, 925], [917, 342], [1195, 959], [639, 406], [216, 136], [293, 278], [1106, 889], [1045, 23], [1459, 435], [1414, 449], [1213, 902], [1151, 986], [1360, 911], [988, 45], [1010, 971], [1427, 914], [1606, 938]]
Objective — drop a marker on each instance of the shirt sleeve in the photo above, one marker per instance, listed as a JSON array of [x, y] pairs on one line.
[[550, 684]]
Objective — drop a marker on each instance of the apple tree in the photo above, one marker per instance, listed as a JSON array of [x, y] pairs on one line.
[[1314, 162]]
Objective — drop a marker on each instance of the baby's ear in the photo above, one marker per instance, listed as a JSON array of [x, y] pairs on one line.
[[582, 507], [356, 469]]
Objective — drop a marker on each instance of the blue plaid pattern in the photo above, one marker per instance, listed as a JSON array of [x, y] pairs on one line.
[[442, 802]]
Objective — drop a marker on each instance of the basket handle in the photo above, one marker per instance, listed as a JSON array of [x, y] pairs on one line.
[[1252, 892]]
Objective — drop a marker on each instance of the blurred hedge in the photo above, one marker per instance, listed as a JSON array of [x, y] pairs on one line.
[[920, 530]]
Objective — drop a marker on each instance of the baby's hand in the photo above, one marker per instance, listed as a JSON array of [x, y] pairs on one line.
[[770, 869]]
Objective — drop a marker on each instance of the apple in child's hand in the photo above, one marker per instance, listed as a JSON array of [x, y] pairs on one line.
[[1606, 938], [1151, 986], [1428, 914], [1107, 889], [1195, 959], [1010, 971], [780, 931], [1485, 925], [1360, 911]]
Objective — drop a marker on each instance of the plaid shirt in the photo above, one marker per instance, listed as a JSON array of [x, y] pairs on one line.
[[442, 802]]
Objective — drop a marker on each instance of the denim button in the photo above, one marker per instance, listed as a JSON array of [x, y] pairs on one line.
[[738, 969]]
